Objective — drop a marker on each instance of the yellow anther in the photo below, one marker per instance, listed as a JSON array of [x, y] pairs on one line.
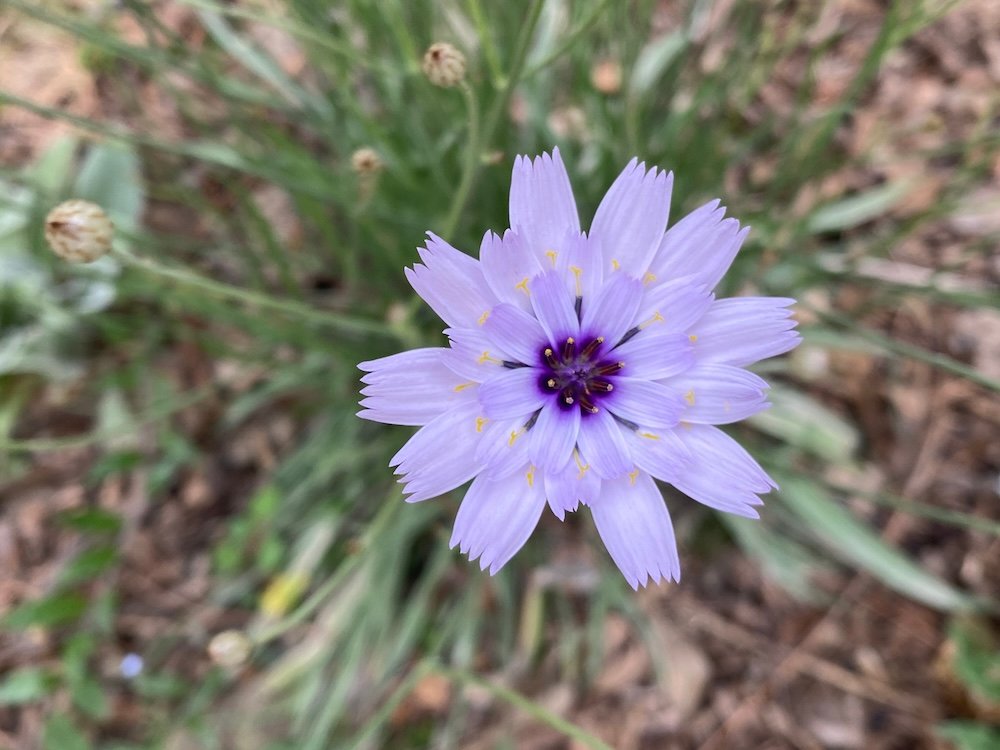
[[649, 436], [551, 255], [693, 338], [485, 357], [514, 435], [689, 397], [584, 468], [615, 265], [632, 476], [578, 273], [657, 317], [649, 278], [483, 317], [523, 286], [530, 475], [462, 386], [480, 421]]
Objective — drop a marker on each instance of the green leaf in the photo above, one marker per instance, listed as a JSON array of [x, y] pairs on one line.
[[970, 735], [88, 565], [49, 612], [88, 696], [61, 734], [92, 520], [977, 657], [24, 686], [654, 58], [786, 562], [857, 209], [110, 177], [854, 542], [49, 173], [797, 419]]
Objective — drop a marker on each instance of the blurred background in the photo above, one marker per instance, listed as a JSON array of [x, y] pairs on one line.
[[201, 546]]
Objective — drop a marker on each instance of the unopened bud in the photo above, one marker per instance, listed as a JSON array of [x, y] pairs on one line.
[[606, 76], [79, 231], [444, 65], [366, 161], [230, 649]]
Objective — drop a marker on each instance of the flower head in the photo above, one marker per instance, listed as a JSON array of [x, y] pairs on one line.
[[444, 65], [582, 366], [366, 161], [79, 231]]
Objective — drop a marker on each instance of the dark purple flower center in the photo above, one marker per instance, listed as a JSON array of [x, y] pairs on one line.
[[578, 375]]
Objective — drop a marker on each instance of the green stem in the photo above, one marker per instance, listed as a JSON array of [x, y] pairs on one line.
[[472, 152], [345, 323], [500, 105], [569, 39], [529, 707], [156, 412], [320, 596], [486, 39]]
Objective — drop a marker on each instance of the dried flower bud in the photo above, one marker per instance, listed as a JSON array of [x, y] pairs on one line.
[[230, 648], [79, 231], [366, 161], [444, 65], [606, 76]]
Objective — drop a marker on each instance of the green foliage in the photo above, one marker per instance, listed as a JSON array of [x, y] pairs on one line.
[[304, 305]]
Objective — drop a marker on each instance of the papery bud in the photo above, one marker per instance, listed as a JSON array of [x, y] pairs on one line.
[[230, 648], [79, 231], [444, 65], [366, 161], [606, 76]]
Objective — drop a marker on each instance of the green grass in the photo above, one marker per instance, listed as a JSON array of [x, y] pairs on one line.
[[387, 601]]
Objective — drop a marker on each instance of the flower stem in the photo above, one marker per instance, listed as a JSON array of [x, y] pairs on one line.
[[484, 136], [529, 707], [472, 152], [345, 323]]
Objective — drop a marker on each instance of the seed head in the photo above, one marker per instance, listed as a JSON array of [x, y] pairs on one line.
[[444, 65], [79, 231], [366, 161], [230, 648]]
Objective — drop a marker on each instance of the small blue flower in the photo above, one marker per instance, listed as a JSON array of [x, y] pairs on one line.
[[131, 666], [582, 366]]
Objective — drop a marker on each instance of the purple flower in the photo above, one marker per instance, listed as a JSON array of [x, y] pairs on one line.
[[580, 367]]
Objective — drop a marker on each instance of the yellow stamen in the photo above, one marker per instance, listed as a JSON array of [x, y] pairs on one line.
[[689, 397], [578, 273], [514, 435], [480, 421], [462, 386], [530, 475], [657, 317], [632, 476], [483, 317], [649, 436], [584, 468], [551, 254], [523, 286], [485, 357], [615, 265], [649, 278], [692, 338]]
